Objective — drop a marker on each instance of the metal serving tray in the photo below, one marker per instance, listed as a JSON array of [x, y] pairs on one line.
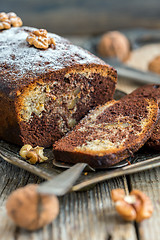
[[142, 160]]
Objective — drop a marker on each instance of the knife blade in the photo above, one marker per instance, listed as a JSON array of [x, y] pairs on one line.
[[131, 73], [62, 183]]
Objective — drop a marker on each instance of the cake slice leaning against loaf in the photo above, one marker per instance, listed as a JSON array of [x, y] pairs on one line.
[[109, 133], [151, 90]]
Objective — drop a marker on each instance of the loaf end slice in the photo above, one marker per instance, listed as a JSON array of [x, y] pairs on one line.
[[110, 133]]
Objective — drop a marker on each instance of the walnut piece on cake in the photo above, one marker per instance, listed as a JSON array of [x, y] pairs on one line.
[[39, 39], [4, 21], [9, 19], [14, 19]]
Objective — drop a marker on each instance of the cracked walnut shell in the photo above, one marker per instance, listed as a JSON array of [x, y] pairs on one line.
[[30, 209], [39, 39], [133, 207]]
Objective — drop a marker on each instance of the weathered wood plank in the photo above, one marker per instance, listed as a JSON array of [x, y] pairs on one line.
[[12, 177], [6, 225], [83, 215], [149, 182]]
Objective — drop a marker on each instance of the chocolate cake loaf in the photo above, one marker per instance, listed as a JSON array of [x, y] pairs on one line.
[[151, 90], [44, 93], [110, 133]]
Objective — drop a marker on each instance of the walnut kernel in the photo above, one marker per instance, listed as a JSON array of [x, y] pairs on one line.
[[125, 210], [3, 16], [32, 155], [117, 194], [142, 205], [31, 210], [4, 21], [39, 151], [39, 39], [11, 15], [24, 150], [5, 25], [135, 206], [51, 42], [16, 22], [9, 19]]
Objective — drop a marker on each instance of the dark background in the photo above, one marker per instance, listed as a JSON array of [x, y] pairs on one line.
[[85, 16]]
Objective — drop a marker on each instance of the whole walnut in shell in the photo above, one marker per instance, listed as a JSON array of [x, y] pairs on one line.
[[31, 210], [114, 44], [154, 65]]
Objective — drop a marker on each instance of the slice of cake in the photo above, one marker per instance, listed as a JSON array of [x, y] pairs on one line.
[[110, 133], [151, 90], [154, 141], [44, 93]]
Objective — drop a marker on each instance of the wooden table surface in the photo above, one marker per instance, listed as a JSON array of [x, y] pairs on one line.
[[87, 215]]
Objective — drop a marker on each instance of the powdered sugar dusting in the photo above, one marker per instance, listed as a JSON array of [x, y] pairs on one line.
[[21, 63]]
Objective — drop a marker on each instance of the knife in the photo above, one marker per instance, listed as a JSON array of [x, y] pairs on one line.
[[62, 183], [131, 73]]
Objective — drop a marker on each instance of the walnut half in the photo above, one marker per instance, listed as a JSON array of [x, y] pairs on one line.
[[32, 155], [4, 21], [9, 19], [133, 207], [14, 19], [39, 39]]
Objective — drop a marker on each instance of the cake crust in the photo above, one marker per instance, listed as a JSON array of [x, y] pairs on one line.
[[21, 64]]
